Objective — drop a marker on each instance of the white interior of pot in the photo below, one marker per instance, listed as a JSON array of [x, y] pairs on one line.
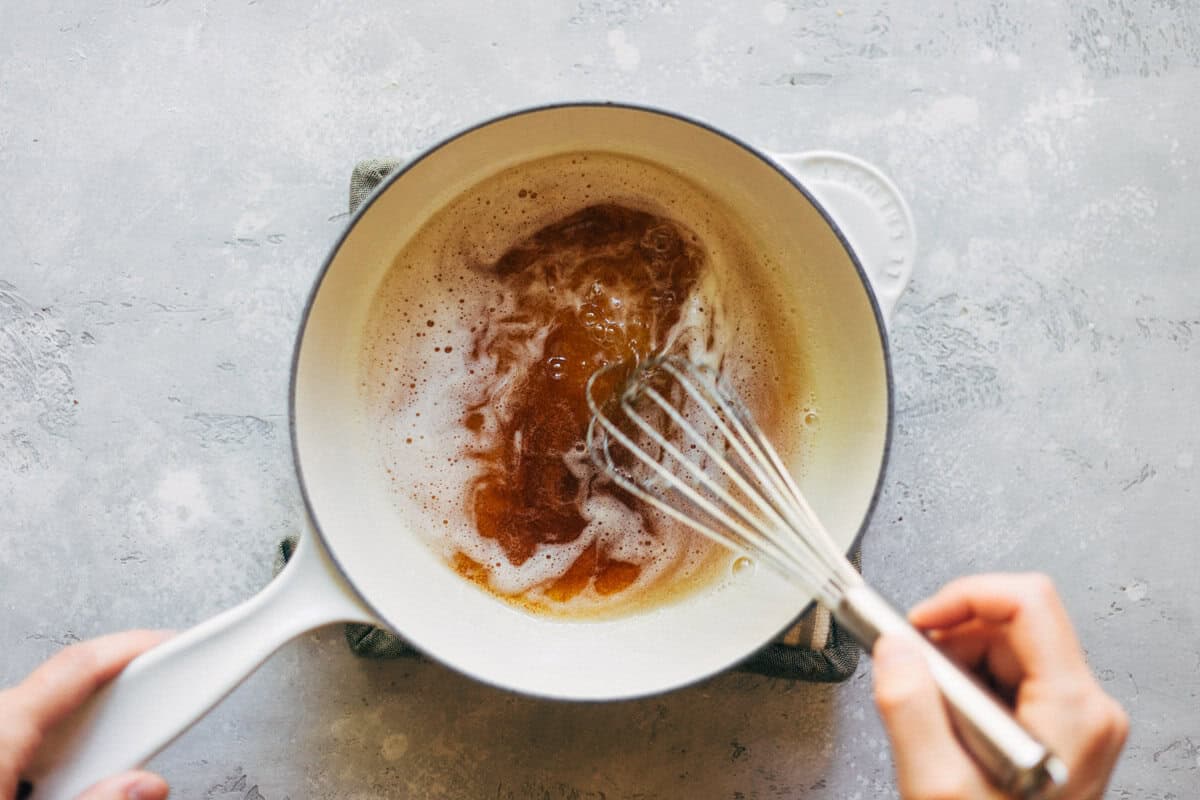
[[456, 622]]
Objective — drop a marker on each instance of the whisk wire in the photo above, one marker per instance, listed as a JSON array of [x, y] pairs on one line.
[[756, 452], [709, 399], [750, 505], [696, 470], [731, 532], [768, 530], [735, 474], [724, 535]]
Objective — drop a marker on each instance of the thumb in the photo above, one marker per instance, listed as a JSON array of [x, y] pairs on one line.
[[128, 786], [929, 760]]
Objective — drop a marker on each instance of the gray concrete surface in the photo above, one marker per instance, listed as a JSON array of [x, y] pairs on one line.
[[173, 172]]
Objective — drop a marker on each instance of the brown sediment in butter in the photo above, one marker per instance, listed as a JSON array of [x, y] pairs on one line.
[[481, 340]]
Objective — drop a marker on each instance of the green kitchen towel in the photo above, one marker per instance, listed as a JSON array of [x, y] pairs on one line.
[[815, 648]]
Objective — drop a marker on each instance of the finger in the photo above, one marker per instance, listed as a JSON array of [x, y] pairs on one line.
[[56, 688], [1084, 726], [12, 750], [983, 648], [71, 676], [1109, 728], [128, 786], [929, 760], [965, 644], [1075, 719], [1040, 632]]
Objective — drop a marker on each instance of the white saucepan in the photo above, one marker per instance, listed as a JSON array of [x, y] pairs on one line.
[[846, 237]]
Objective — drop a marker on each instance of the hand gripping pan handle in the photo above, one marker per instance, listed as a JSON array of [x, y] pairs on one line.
[[165, 690]]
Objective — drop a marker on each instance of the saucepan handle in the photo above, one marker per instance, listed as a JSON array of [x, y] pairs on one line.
[[869, 211], [1016, 762], [162, 692]]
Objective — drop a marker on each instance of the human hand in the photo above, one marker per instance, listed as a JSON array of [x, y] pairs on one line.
[[29, 710], [1013, 631]]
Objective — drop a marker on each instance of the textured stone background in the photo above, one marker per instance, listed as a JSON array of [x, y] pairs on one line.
[[172, 174]]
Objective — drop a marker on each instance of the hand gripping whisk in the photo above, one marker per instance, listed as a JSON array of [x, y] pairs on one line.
[[673, 435]]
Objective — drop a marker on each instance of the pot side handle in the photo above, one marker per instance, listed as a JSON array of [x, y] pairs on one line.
[[869, 211], [165, 690]]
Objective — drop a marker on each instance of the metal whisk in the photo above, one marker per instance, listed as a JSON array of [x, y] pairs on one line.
[[673, 434]]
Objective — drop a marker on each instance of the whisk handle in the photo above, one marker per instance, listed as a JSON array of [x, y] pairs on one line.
[[1014, 760]]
